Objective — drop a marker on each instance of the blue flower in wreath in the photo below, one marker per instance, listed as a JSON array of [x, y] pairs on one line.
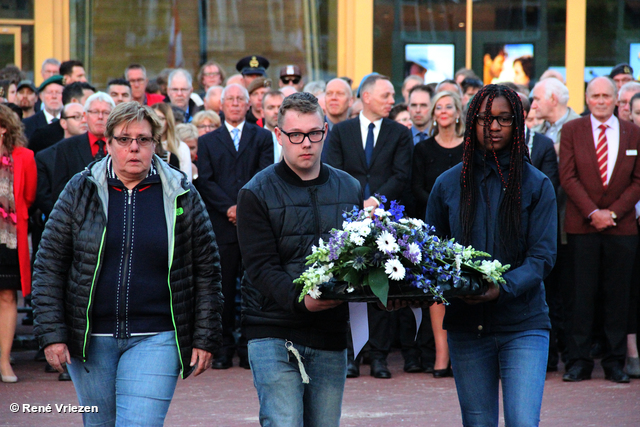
[[377, 259]]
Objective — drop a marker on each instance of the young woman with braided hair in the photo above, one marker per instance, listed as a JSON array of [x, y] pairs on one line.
[[498, 202]]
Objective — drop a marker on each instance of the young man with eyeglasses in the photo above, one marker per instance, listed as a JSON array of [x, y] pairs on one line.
[[297, 349], [228, 158]]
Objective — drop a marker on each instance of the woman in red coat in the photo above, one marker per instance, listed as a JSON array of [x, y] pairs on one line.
[[18, 179]]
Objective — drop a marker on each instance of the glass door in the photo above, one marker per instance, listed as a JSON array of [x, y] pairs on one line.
[[10, 46]]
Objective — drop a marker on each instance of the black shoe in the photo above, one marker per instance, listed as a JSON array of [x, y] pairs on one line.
[[552, 368], [412, 366], [40, 357], [222, 361], [427, 367], [49, 369], [353, 369], [442, 373], [616, 374], [379, 369], [576, 374], [244, 362], [64, 376]]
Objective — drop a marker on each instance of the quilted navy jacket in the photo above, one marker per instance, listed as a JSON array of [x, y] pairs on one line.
[[70, 256], [521, 304]]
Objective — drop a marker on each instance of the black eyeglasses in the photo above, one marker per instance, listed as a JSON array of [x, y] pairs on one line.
[[298, 137], [76, 117], [287, 80], [125, 141], [487, 119]]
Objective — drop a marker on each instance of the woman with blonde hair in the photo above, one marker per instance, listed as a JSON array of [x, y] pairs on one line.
[[18, 181], [172, 151], [206, 121], [431, 158], [188, 133]]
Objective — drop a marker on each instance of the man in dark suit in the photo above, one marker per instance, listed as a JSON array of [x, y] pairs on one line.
[[228, 158], [50, 92], [45, 137], [75, 153], [600, 172], [377, 152]]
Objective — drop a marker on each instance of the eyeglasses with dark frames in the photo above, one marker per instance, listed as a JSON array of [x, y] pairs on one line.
[[298, 137], [487, 119], [125, 141]]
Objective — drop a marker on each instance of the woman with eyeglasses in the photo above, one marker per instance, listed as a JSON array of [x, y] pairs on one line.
[[18, 183], [431, 157], [206, 121], [171, 149], [496, 201], [126, 287]]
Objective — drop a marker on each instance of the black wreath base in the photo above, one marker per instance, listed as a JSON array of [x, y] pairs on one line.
[[469, 284]]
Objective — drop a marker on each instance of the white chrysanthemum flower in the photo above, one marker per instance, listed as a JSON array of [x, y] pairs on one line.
[[314, 292], [357, 239], [387, 243], [394, 269]]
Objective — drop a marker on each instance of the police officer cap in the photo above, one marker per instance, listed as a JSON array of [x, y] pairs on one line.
[[57, 79], [253, 65], [621, 69]]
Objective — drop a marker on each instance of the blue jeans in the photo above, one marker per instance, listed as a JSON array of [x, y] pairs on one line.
[[479, 362], [284, 400], [131, 381]]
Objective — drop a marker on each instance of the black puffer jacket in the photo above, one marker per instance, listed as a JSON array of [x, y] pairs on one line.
[[280, 217], [70, 256]]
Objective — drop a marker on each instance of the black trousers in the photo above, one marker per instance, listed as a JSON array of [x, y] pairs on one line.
[[601, 263], [231, 265], [421, 347]]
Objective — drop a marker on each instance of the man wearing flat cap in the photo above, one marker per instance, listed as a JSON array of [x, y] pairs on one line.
[[621, 74], [257, 88], [252, 67], [26, 98], [290, 75], [50, 92]]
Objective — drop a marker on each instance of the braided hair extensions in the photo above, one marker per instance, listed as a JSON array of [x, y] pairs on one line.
[[509, 212]]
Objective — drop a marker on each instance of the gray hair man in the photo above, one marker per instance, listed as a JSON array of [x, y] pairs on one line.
[[550, 99], [625, 94], [179, 88]]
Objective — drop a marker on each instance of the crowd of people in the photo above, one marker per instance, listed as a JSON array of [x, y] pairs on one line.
[[223, 184]]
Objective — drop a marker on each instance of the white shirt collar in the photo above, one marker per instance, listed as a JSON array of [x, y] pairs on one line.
[[230, 128], [49, 117], [612, 123]]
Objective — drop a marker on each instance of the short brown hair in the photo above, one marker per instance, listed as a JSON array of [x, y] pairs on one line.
[[302, 102], [131, 111]]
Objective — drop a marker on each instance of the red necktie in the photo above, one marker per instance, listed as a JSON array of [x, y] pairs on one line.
[[601, 153]]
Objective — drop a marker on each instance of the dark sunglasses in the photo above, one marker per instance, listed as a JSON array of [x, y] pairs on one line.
[[287, 80]]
